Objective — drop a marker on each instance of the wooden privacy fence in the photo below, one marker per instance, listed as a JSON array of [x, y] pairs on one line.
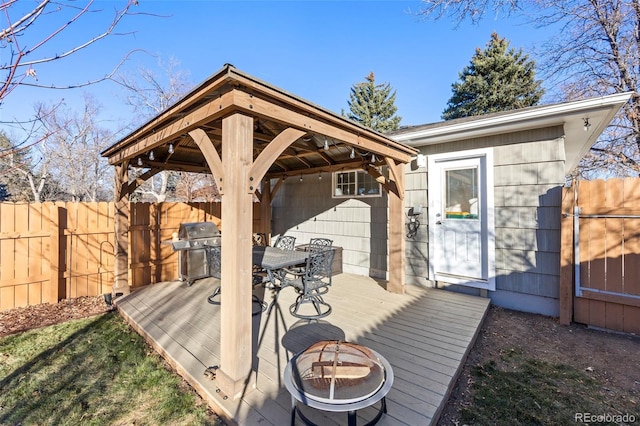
[[53, 251], [600, 254]]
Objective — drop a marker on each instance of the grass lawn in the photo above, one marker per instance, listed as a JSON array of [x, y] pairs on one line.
[[527, 369], [94, 371], [525, 391]]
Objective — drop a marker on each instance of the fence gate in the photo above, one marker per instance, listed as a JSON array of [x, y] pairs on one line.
[[600, 254]]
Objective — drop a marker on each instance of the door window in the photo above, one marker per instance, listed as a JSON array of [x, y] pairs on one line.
[[461, 193]]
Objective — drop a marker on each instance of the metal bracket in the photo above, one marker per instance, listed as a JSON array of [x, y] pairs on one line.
[[210, 373]]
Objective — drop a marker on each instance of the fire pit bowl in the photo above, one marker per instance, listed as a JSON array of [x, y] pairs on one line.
[[337, 376]]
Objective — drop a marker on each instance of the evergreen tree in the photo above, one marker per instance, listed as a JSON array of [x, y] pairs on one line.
[[15, 165], [373, 105], [4, 194], [497, 79]]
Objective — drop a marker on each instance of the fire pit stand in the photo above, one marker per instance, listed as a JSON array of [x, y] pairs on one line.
[[338, 377]]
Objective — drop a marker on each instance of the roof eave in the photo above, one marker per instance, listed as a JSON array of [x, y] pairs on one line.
[[600, 111]]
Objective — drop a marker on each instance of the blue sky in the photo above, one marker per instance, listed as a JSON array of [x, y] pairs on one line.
[[314, 49]]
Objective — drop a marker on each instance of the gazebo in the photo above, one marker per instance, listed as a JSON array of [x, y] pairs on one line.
[[250, 136]]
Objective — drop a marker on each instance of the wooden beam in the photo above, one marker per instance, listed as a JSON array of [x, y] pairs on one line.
[[324, 115], [396, 236], [236, 276], [380, 145], [275, 188], [353, 165], [393, 170], [387, 184], [129, 188], [121, 224], [265, 208], [269, 155], [212, 110], [210, 155], [182, 166]]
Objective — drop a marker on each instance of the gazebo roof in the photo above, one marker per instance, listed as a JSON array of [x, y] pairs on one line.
[[229, 91]]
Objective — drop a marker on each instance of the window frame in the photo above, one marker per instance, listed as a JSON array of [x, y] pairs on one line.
[[356, 174]]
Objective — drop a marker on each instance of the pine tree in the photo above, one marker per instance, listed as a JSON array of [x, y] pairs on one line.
[[373, 105], [497, 79], [4, 194], [15, 164]]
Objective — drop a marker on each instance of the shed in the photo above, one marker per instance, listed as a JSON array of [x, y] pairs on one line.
[[482, 203]]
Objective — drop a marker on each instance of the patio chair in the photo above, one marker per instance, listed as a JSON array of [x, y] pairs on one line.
[[259, 239], [319, 244], [285, 242], [214, 260], [313, 278]]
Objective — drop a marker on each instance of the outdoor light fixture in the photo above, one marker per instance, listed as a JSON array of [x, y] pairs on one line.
[[373, 157], [353, 154], [170, 148], [151, 156], [587, 125], [326, 144], [139, 161], [320, 176], [300, 178]]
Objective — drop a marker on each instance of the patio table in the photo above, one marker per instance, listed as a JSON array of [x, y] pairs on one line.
[[272, 259]]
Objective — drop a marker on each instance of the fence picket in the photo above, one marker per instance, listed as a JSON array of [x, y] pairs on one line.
[[51, 251], [609, 244]]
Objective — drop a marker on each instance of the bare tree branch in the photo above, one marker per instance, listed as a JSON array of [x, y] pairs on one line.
[[594, 50], [19, 56]]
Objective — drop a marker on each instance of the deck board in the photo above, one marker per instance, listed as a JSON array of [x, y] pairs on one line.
[[425, 334]]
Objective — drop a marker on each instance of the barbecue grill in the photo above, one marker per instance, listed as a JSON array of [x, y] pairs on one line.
[[191, 245]]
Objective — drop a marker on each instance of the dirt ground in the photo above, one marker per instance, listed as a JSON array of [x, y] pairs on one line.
[[613, 359], [21, 319]]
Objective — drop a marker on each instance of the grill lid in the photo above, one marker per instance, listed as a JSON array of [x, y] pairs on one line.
[[338, 372], [197, 230]]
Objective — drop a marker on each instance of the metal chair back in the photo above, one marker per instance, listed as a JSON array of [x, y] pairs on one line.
[[319, 244], [285, 242], [214, 260]]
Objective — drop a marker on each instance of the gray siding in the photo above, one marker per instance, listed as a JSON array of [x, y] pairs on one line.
[[417, 248], [528, 182], [528, 177], [358, 225]]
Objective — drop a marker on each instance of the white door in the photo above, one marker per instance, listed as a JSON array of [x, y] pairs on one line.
[[461, 245]]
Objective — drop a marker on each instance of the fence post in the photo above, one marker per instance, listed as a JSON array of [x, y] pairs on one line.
[[56, 255], [566, 255]]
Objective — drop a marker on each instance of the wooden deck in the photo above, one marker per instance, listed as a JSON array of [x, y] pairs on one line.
[[425, 335]]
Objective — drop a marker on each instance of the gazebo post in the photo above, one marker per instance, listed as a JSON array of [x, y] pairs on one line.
[[236, 350], [121, 224], [396, 230]]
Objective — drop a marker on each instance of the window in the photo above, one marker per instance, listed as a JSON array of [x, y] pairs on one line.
[[461, 193], [355, 184]]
